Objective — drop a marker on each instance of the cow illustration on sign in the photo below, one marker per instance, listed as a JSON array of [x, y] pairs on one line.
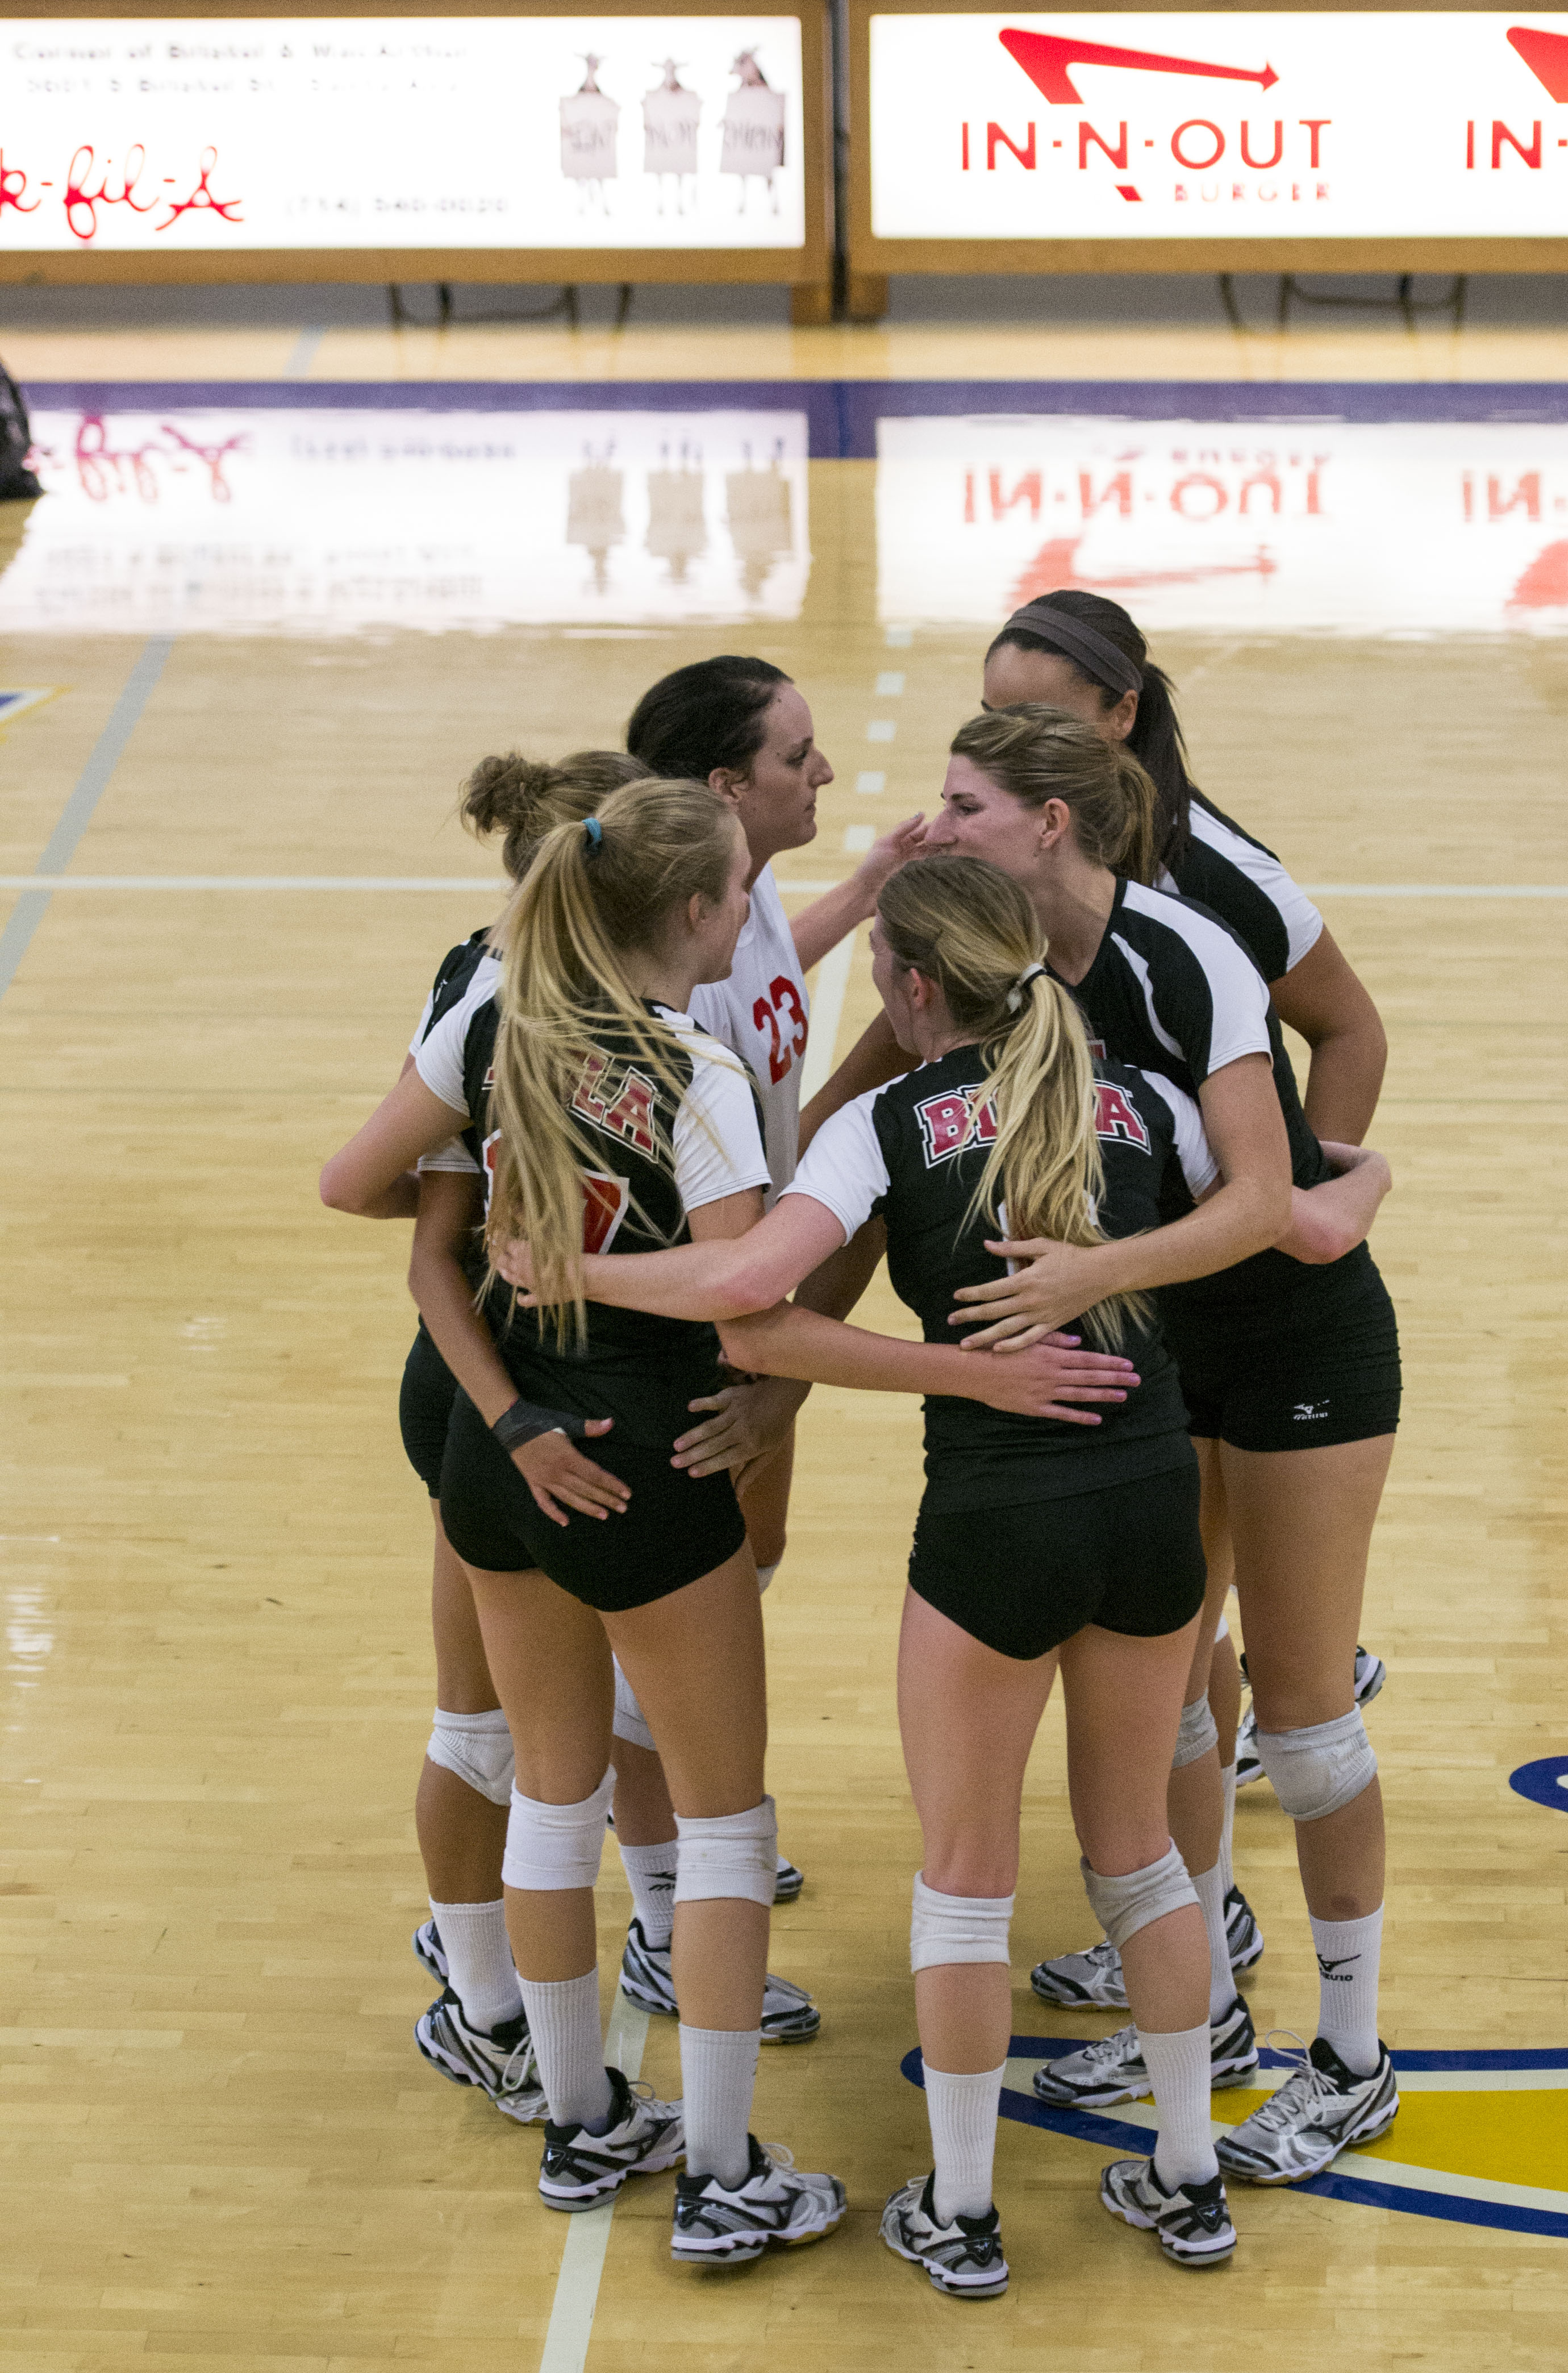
[[753, 129], [588, 118], [670, 117]]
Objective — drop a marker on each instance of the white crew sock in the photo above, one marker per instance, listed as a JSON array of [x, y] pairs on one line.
[[1348, 1954], [1210, 1886], [1179, 2066], [650, 1874], [479, 1961], [563, 2022], [719, 2076], [962, 2110], [1227, 1833]]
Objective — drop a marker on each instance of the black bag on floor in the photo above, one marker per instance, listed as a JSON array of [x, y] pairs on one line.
[[17, 481]]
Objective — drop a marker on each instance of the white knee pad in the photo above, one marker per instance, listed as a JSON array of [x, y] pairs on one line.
[[630, 1723], [734, 1855], [1124, 1905], [478, 1748], [1320, 1770], [945, 1928], [1196, 1735], [554, 1846], [766, 1573]]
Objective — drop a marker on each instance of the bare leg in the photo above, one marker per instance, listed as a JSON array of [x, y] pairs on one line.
[[643, 1814], [1302, 1522], [762, 1489], [461, 1834]]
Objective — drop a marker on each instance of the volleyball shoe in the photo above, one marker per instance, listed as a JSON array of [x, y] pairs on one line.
[[789, 2015], [643, 2137], [500, 2064], [963, 2257], [1192, 2224], [774, 2206], [1320, 2109], [1114, 2069]]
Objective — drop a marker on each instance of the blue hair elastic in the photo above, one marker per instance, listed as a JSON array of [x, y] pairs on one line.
[[594, 831]]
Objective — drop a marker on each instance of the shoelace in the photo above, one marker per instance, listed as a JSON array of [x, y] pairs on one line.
[[1122, 2045], [1303, 2088], [515, 2068], [779, 2154]]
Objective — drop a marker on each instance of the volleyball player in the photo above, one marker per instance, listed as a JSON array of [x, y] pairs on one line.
[[474, 2032], [1078, 650], [741, 726], [1037, 1543], [613, 1117], [1290, 1368]]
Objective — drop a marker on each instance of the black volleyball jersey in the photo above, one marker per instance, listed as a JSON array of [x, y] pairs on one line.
[[642, 1371], [1244, 883], [898, 1151], [1172, 990]]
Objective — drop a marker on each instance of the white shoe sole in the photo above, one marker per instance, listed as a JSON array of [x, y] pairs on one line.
[[943, 2282]]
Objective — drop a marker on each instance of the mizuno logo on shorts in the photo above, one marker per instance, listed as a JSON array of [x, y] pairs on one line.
[[1305, 1412]]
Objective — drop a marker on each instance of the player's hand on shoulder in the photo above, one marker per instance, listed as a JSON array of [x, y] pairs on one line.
[[750, 1420], [560, 1477]]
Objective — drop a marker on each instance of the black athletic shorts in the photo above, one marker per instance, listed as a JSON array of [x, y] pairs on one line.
[[1329, 1378], [675, 1530], [1022, 1580], [424, 1407]]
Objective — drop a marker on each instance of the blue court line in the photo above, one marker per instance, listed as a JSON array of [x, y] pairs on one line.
[[78, 812], [842, 415]]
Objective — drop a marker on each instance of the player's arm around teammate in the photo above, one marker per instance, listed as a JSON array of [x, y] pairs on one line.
[[1290, 1372], [610, 1112]]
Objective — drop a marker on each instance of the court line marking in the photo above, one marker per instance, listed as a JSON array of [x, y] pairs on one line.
[[303, 352], [587, 2235], [78, 812], [827, 1012], [483, 885]]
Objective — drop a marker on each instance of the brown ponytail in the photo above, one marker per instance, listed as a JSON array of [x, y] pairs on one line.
[[526, 798], [1036, 753]]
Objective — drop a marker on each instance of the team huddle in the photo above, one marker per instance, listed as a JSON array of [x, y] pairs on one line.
[[1157, 1362]]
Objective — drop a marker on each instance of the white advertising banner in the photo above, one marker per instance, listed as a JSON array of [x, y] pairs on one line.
[[217, 134], [1326, 527], [1360, 124], [338, 521]]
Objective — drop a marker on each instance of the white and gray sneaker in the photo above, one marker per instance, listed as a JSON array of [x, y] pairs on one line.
[[775, 2205], [500, 2063], [1192, 2223], [1114, 2069], [429, 1951], [1320, 2109], [962, 2257], [1090, 1980], [643, 2137], [1371, 1673], [1093, 1981], [789, 2015], [789, 1882], [1244, 1938]]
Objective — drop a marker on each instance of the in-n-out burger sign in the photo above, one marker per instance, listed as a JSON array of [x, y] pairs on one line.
[[1361, 124]]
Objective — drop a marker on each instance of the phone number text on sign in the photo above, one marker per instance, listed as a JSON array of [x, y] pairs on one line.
[[1358, 125], [545, 131]]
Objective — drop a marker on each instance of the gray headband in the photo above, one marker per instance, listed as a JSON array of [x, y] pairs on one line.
[[1095, 652]]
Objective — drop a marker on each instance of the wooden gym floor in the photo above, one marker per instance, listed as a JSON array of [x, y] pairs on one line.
[[220, 2145]]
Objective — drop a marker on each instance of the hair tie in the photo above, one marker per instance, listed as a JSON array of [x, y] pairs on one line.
[[594, 832], [1016, 994]]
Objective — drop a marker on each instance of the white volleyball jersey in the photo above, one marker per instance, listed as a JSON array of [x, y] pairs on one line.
[[762, 1013]]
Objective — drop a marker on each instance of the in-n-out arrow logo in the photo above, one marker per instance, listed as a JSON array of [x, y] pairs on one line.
[[1047, 58]]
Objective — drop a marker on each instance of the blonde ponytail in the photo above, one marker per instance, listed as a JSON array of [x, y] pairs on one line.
[[594, 892], [1035, 754], [972, 930]]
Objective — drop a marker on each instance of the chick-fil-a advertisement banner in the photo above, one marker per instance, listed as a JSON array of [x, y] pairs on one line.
[[1317, 527], [213, 134], [1360, 124]]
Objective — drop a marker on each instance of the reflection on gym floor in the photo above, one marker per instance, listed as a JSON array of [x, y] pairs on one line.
[[335, 520], [1326, 526]]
